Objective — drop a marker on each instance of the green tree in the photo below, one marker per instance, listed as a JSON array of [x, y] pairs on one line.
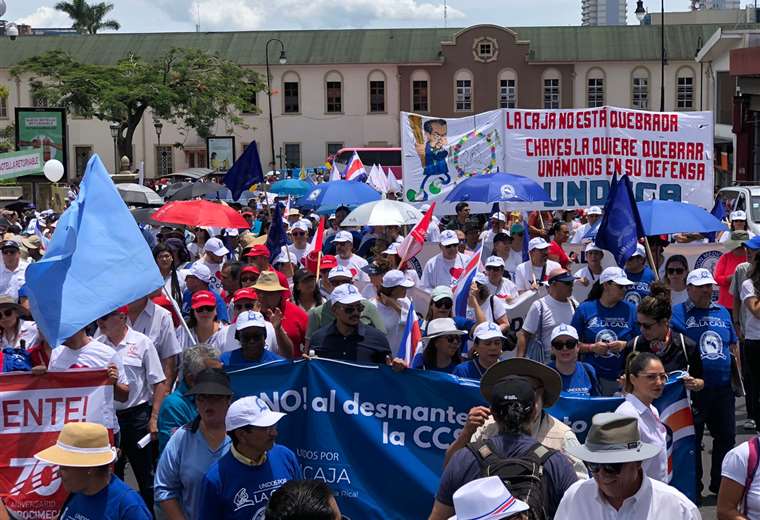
[[188, 87], [88, 18]]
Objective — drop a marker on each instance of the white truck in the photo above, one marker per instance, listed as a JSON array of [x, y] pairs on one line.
[[747, 199]]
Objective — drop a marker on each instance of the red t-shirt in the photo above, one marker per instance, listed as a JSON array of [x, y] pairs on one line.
[[294, 323], [556, 250]]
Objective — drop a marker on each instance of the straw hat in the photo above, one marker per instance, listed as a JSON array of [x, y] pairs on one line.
[[9, 301], [269, 281], [81, 445]]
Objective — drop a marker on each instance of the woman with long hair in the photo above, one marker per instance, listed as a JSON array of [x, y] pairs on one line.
[[165, 259], [204, 325], [196, 246], [306, 293], [676, 269], [442, 346], [17, 330]]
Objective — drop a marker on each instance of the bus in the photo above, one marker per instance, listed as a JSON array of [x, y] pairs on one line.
[[385, 157]]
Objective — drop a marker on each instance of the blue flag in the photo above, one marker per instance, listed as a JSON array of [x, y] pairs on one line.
[[97, 261], [245, 172], [525, 238], [719, 212], [621, 226], [277, 237]]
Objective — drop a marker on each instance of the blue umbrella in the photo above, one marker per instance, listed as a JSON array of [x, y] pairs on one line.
[[325, 198], [295, 187], [663, 217], [497, 187]]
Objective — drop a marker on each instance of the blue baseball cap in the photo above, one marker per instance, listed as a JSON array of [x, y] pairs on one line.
[[752, 243]]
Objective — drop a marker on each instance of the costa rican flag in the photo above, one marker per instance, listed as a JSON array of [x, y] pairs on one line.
[[675, 414], [411, 339], [415, 240], [462, 285], [355, 169]]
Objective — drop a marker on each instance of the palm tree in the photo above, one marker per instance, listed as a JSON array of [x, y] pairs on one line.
[[88, 19]]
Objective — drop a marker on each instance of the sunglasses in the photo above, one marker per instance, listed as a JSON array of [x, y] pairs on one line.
[[444, 304], [244, 306], [206, 308], [654, 377], [451, 338], [565, 345], [298, 234], [612, 468], [250, 338], [353, 309], [676, 270], [646, 326], [493, 268]]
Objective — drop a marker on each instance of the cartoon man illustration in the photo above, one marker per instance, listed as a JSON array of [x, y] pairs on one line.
[[433, 154]]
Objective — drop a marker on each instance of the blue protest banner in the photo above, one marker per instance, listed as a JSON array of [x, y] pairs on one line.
[[378, 438]]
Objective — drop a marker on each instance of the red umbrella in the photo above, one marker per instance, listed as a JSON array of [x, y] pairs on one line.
[[200, 213]]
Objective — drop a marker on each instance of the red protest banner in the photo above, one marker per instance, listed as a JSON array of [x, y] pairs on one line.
[[33, 409]]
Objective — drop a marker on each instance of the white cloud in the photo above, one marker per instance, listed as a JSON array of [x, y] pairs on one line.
[[294, 14], [45, 16]]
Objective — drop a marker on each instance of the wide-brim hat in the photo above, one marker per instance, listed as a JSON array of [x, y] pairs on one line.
[[80, 444], [550, 378], [736, 239], [613, 439], [211, 381], [8, 301], [441, 327]]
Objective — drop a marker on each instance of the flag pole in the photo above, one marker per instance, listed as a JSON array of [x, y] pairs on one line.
[[651, 258]]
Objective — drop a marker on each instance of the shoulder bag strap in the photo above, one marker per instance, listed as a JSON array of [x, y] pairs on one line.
[[752, 463]]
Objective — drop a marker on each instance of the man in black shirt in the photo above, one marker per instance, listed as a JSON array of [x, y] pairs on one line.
[[347, 338]]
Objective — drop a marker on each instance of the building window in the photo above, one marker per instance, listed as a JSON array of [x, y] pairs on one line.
[[81, 156], [485, 50], [290, 97], [333, 148], [420, 96], [463, 95], [551, 93], [4, 107], [196, 158], [685, 93], [292, 155], [253, 104], [640, 92], [377, 96], [334, 97], [507, 93], [164, 160], [725, 88], [595, 92]]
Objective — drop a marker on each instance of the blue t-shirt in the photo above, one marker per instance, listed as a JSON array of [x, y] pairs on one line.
[[713, 331], [221, 307], [232, 490], [470, 369], [116, 501], [234, 360], [462, 323], [640, 287], [581, 382], [419, 363], [595, 322]]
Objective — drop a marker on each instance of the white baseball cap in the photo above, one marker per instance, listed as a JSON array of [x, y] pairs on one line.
[[487, 330], [215, 247], [250, 319], [300, 225], [499, 216], [594, 210], [441, 292], [396, 278], [738, 215], [340, 271], [563, 329], [231, 232], [343, 236], [448, 237], [200, 271], [495, 261], [486, 499], [537, 243], [615, 275], [640, 251], [593, 247], [250, 411], [345, 294], [700, 277]]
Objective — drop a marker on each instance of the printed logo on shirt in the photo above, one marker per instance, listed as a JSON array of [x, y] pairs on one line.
[[607, 336], [711, 346], [243, 499], [611, 322], [632, 297], [707, 321], [133, 350]]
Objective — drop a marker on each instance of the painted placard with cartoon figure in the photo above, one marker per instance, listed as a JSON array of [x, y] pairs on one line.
[[438, 152]]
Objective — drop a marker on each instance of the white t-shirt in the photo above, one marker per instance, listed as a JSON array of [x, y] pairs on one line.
[[526, 271], [93, 355], [751, 323], [156, 322], [225, 339], [514, 259], [185, 341], [355, 263], [677, 297], [735, 468], [215, 284], [298, 253], [141, 365], [437, 271], [505, 290], [554, 313], [498, 312], [395, 322]]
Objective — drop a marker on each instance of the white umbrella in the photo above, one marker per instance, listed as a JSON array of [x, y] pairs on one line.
[[383, 213], [137, 194]]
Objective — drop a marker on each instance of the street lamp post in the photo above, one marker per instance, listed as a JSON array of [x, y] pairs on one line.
[[159, 126], [640, 14], [114, 134], [283, 61]]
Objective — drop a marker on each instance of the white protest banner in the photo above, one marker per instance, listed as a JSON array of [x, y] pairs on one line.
[[24, 162], [437, 152], [34, 410], [574, 153]]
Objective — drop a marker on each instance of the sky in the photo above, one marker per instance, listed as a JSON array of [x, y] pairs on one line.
[[229, 15]]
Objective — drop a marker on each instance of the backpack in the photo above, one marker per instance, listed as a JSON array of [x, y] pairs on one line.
[[524, 476]]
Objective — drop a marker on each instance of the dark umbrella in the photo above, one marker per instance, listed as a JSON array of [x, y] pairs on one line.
[[173, 188], [195, 190], [142, 216]]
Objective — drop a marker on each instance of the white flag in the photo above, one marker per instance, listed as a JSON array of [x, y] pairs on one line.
[[393, 184], [334, 174], [377, 180]]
